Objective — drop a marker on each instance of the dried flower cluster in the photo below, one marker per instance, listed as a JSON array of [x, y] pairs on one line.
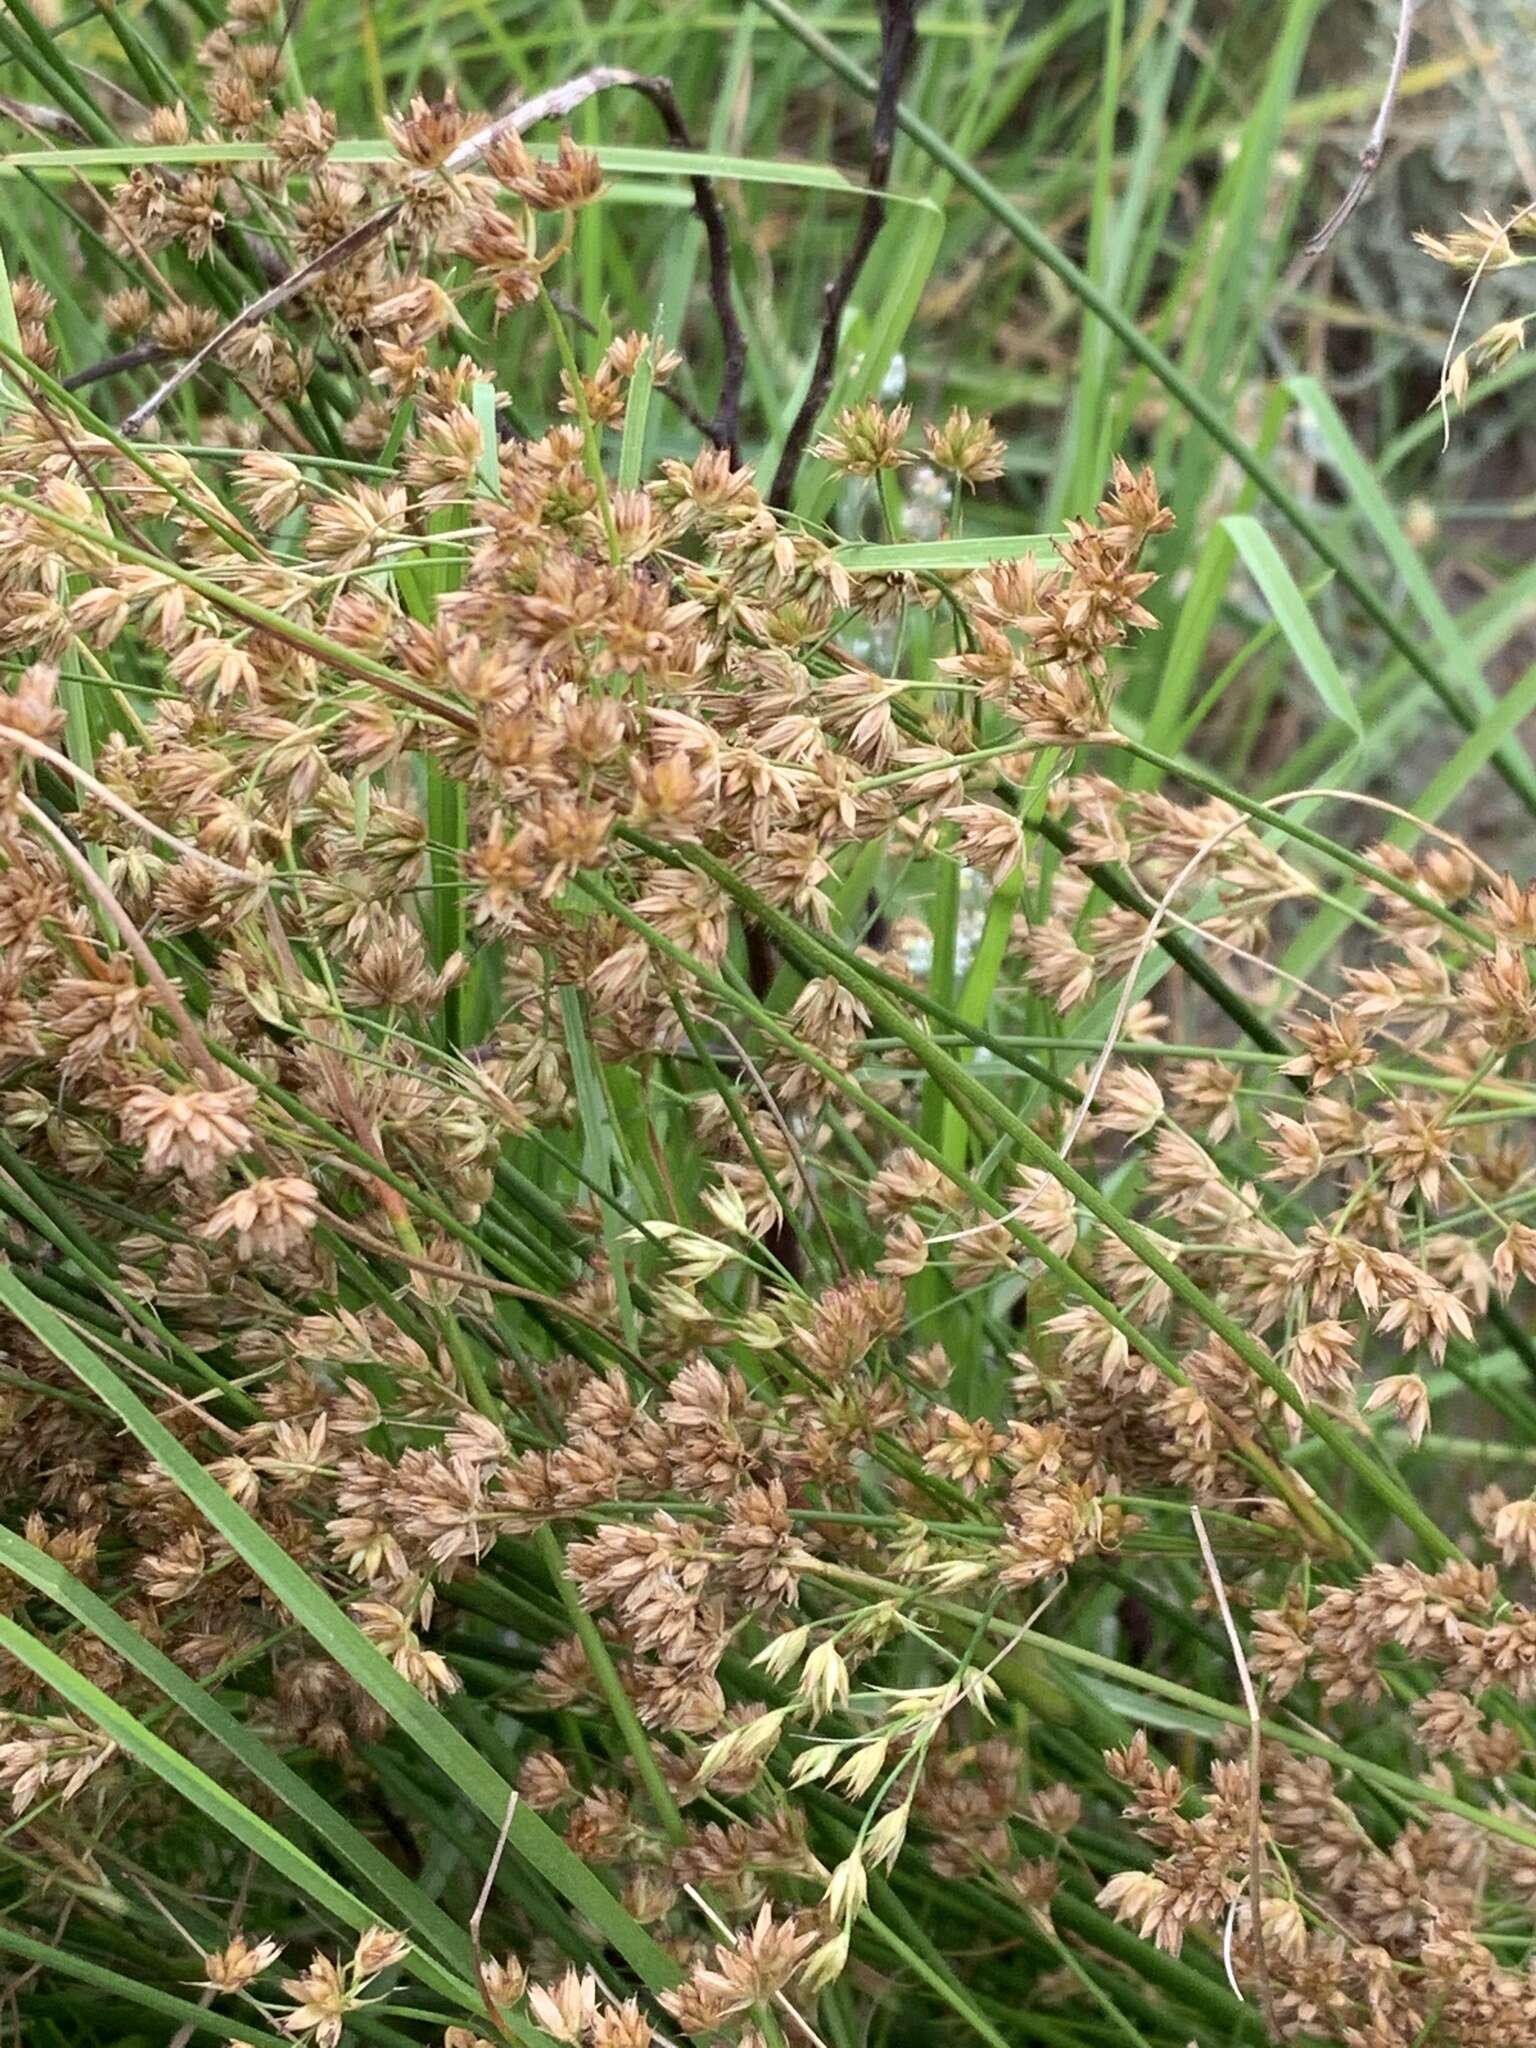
[[497, 1112], [1479, 247]]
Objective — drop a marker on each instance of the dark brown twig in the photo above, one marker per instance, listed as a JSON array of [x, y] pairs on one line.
[[120, 106], [898, 34], [291, 15], [710, 429], [133, 358], [1376, 143], [725, 428]]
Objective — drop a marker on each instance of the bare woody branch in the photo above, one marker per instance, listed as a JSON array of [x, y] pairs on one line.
[[1376, 143], [898, 35], [725, 428]]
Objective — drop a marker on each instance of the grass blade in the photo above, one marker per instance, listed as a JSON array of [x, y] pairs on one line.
[[413, 1909], [528, 1836], [206, 1796], [181, 2012], [1263, 561], [974, 551]]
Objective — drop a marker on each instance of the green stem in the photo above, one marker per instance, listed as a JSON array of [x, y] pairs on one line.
[[618, 1701], [967, 1091], [1412, 1791], [1318, 1516], [942, 1985]]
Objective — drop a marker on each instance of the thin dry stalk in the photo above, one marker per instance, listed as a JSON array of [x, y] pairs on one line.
[[790, 2012], [898, 36], [545, 106], [1507, 227], [477, 1917], [39, 750], [1376, 142], [1255, 1740], [186, 1030]]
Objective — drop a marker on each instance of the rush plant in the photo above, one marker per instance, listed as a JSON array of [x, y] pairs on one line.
[[732, 1304]]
